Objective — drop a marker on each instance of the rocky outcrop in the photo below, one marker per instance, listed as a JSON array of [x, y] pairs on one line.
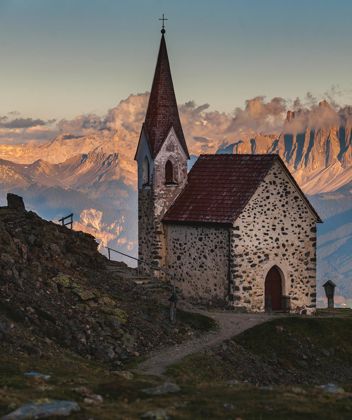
[[57, 290], [317, 152], [79, 171], [15, 202], [315, 143]]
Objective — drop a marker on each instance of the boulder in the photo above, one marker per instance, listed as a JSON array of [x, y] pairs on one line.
[[37, 375], [125, 374], [15, 202], [158, 414], [48, 408], [165, 388], [332, 388]]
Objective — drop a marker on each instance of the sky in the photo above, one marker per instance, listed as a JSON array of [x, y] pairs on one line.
[[61, 58]]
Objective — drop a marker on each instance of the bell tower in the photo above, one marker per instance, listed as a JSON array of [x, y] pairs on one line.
[[161, 157]]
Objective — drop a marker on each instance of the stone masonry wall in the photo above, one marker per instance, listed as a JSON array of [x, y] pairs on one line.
[[275, 228], [146, 227], [154, 200], [198, 255]]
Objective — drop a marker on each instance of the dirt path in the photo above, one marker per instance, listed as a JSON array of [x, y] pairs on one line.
[[230, 324]]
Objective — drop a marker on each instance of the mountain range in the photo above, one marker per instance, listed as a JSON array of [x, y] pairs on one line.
[[88, 168]]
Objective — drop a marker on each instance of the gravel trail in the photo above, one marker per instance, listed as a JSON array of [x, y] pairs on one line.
[[229, 325]]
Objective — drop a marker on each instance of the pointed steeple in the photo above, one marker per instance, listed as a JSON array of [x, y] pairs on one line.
[[162, 113]]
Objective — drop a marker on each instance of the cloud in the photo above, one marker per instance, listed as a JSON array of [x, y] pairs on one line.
[[106, 209], [260, 116], [125, 117], [5, 122], [16, 129], [201, 139], [323, 115], [22, 123], [83, 124], [205, 129]]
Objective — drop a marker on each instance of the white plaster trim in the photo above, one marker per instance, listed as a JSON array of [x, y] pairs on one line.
[[167, 139], [142, 138], [143, 152]]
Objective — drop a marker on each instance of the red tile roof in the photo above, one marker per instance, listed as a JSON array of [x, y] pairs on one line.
[[220, 186], [162, 112]]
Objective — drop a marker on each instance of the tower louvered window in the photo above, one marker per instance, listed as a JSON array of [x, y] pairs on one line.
[[169, 173], [146, 171]]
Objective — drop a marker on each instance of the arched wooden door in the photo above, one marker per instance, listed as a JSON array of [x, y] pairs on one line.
[[273, 290]]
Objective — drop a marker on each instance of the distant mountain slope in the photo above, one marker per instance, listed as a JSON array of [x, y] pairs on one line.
[[78, 171], [90, 185], [320, 159], [59, 149], [315, 144], [57, 290], [89, 168], [335, 238]]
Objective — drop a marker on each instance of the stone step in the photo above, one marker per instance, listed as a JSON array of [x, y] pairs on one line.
[[118, 270], [130, 275], [157, 286], [117, 266], [139, 282], [122, 270], [147, 281], [141, 278]]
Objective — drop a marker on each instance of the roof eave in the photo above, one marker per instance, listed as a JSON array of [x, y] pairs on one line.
[[143, 130], [197, 223], [184, 148]]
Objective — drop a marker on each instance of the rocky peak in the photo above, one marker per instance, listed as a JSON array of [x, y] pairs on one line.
[[324, 104], [58, 291], [290, 116], [15, 202]]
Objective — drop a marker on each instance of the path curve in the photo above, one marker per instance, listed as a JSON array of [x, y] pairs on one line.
[[229, 325]]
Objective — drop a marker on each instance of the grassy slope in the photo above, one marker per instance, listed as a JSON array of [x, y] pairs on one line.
[[202, 377], [283, 351], [273, 370], [124, 399], [56, 287]]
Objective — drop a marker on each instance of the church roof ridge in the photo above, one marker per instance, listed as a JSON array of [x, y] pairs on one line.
[[220, 186], [232, 156], [162, 112]]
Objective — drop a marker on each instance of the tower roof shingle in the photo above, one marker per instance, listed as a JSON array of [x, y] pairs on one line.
[[162, 113]]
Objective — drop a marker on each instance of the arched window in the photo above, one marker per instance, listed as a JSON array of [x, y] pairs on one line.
[[145, 171], [169, 173]]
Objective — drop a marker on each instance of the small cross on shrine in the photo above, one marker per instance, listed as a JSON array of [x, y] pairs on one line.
[[163, 27]]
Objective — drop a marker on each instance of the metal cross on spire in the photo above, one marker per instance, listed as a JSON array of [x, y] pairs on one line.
[[163, 27]]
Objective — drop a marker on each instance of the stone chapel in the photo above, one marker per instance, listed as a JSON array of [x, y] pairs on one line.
[[236, 229]]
